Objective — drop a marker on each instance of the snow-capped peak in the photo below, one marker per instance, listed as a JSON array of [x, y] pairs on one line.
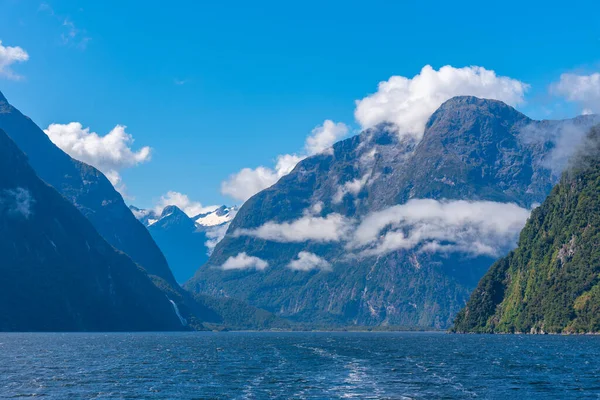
[[220, 216]]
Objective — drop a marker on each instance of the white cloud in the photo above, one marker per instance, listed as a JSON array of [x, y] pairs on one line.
[[286, 163], [249, 181], [114, 177], [109, 153], [581, 89], [17, 202], [324, 136], [139, 213], [409, 102], [567, 137], [473, 227], [307, 261], [315, 209], [183, 202], [9, 56], [244, 261], [215, 235], [351, 187], [332, 228]]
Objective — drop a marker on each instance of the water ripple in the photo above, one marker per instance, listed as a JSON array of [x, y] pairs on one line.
[[297, 365]]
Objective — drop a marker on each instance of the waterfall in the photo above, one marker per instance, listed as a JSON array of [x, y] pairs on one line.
[[176, 309]]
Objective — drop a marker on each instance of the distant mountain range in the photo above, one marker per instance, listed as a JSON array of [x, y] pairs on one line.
[[390, 229], [186, 241], [551, 282]]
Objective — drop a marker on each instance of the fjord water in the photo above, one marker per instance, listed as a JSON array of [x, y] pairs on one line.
[[248, 365]]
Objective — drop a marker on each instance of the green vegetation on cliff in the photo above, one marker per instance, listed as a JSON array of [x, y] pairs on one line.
[[551, 282]]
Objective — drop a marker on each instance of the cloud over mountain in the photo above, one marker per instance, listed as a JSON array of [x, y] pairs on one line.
[[332, 228], [109, 153], [472, 227], [244, 261], [437, 226], [16, 202], [307, 261], [408, 102], [249, 181], [324, 136]]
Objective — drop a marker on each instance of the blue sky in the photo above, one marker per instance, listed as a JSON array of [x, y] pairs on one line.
[[213, 87]]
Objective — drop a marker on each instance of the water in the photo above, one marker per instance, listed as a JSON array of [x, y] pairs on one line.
[[298, 365]]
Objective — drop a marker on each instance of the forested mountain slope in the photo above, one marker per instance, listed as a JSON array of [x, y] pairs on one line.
[[551, 282]]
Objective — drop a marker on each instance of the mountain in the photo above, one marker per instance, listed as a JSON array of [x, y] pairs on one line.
[[186, 242], [58, 273], [389, 229], [87, 188], [551, 282], [181, 242]]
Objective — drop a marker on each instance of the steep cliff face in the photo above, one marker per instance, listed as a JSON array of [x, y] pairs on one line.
[[347, 238], [551, 282], [58, 273], [87, 188]]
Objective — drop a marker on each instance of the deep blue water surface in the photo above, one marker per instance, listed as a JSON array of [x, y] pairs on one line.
[[298, 365]]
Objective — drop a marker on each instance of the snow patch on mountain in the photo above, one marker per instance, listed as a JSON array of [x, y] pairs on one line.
[[220, 216]]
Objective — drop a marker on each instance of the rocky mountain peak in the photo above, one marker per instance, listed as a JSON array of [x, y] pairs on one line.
[[172, 211], [473, 103], [172, 217], [464, 113]]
